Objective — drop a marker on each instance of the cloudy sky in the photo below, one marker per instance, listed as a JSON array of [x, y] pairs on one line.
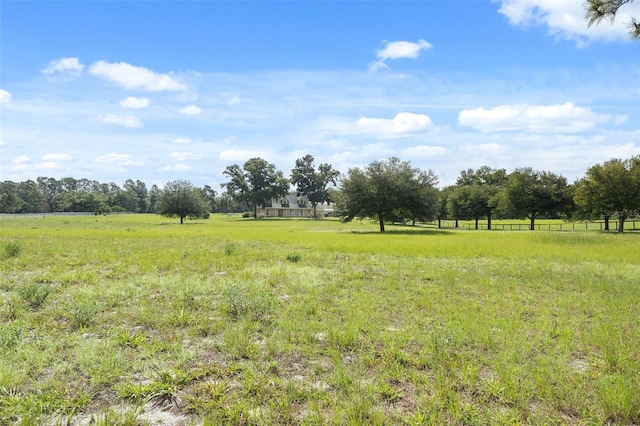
[[158, 91]]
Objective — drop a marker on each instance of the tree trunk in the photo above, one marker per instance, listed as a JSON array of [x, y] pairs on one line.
[[476, 223], [606, 222], [381, 220], [456, 223], [621, 219], [181, 220], [489, 219], [439, 223], [532, 223], [313, 205]]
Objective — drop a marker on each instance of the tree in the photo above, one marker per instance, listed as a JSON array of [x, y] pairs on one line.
[[611, 189], [385, 188], [136, 195], [154, 193], [529, 193], [256, 183], [313, 183], [210, 195], [599, 10], [10, 202], [469, 202], [179, 198], [474, 192]]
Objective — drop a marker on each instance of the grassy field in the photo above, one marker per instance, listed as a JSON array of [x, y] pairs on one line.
[[135, 319]]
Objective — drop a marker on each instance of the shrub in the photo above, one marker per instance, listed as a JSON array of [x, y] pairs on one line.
[[293, 257], [247, 214]]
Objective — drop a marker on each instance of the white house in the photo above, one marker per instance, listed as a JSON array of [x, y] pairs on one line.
[[292, 206]]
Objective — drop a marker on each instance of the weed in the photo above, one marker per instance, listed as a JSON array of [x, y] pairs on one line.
[[83, 314], [229, 248], [293, 257], [242, 302], [34, 294], [13, 248]]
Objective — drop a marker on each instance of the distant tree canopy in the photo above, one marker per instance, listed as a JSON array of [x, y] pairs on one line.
[[180, 198], [611, 189], [387, 188], [387, 191], [255, 183], [313, 183], [600, 10]]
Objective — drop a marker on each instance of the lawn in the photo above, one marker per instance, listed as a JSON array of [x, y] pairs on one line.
[[136, 319]]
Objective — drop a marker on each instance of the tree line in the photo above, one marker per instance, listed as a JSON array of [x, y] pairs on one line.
[[389, 190]]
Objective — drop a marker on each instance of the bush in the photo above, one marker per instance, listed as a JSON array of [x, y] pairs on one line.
[[247, 214], [293, 257]]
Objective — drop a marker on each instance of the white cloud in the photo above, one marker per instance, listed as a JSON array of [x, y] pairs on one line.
[[126, 121], [620, 119], [566, 19], [2, 143], [424, 152], [398, 50], [118, 159], [181, 141], [485, 148], [5, 97], [70, 66], [57, 157], [240, 154], [183, 156], [47, 165], [20, 159], [560, 118], [176, 168], [132, 102], [230, 99], [133, 77], [190, 110], [402, 124]]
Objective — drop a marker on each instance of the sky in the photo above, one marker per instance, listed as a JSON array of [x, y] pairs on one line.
[[165, 90]]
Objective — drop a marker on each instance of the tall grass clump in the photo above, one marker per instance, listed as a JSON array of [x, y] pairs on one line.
[[244, 302], [12, 248], [34, 294]]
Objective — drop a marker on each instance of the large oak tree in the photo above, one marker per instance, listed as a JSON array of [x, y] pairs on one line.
[[179, 198], [610, 190], [530, 193], [255, 183], [385, 189]]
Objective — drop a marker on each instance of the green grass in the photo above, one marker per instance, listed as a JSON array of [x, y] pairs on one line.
[[134, 319]]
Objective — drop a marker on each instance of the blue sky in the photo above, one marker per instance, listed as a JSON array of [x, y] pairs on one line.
[[157, 91]]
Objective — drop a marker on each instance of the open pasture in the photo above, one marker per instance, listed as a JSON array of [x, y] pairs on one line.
[[135, 319]]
